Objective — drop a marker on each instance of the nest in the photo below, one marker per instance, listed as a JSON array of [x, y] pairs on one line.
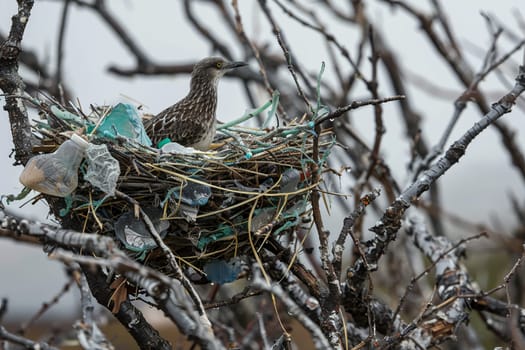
[[254, 185]]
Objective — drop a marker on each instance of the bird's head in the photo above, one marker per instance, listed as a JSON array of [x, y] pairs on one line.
[[210, 69]]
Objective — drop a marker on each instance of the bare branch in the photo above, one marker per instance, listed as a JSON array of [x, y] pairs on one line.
[[12, 85]]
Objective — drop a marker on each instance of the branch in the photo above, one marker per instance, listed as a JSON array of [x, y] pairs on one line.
[[88, 333], [454, 287], [318, 337], [128, 315], [108, 255], [355, 105], [60, 46], [347, 230], [387, 227], [290, 59], [216, 44], [99, 7], [461, 102], [458, 148], [12, 85], [26, 343], [464, 73]]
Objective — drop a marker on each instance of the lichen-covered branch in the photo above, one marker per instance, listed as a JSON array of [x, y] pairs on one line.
[[12, 85]]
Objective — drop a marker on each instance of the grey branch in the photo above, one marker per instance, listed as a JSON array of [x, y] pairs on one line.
[[12, 85]]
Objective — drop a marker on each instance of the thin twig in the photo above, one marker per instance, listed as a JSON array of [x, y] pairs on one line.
[[26, 343], [356, 104], [60, 48], [292, 67]]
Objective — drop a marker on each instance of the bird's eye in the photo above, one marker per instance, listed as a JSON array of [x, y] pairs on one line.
[[219, 65]]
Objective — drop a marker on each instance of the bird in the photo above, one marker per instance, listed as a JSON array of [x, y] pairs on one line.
[[191, 122]]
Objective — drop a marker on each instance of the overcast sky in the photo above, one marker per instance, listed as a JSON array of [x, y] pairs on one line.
[[470, 188]]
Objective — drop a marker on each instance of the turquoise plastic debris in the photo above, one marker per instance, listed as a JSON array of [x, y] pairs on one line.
[[271, 113], [223, 231], [221, 272], [69, 204], [318, 88], [15, 197], [65, 115], [294, 213], [248, 114], [123, 120], [163, 142]]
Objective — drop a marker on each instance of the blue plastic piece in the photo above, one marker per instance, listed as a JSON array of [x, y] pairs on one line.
[[220, 271]]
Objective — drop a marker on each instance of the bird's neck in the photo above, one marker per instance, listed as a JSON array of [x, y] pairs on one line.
[[206, 86], [203, 95]]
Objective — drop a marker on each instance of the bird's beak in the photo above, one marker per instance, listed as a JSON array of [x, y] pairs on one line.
[[233, 65]]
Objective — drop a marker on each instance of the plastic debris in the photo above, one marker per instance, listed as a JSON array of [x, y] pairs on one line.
[[292, 213], [290, 180], [65, 115], [68, 200], [207, 198], [229, 200], [193, 194], [220, 271], [188, 199], [188, 212], [16, 197], [271, 113], [134, 233], [56, 174], [263, 187], [222, 232], [177, 148], [261, 218], [103, 170], [124, 120]]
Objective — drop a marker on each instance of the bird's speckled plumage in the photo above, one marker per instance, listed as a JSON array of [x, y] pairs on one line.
[[191, 121]]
